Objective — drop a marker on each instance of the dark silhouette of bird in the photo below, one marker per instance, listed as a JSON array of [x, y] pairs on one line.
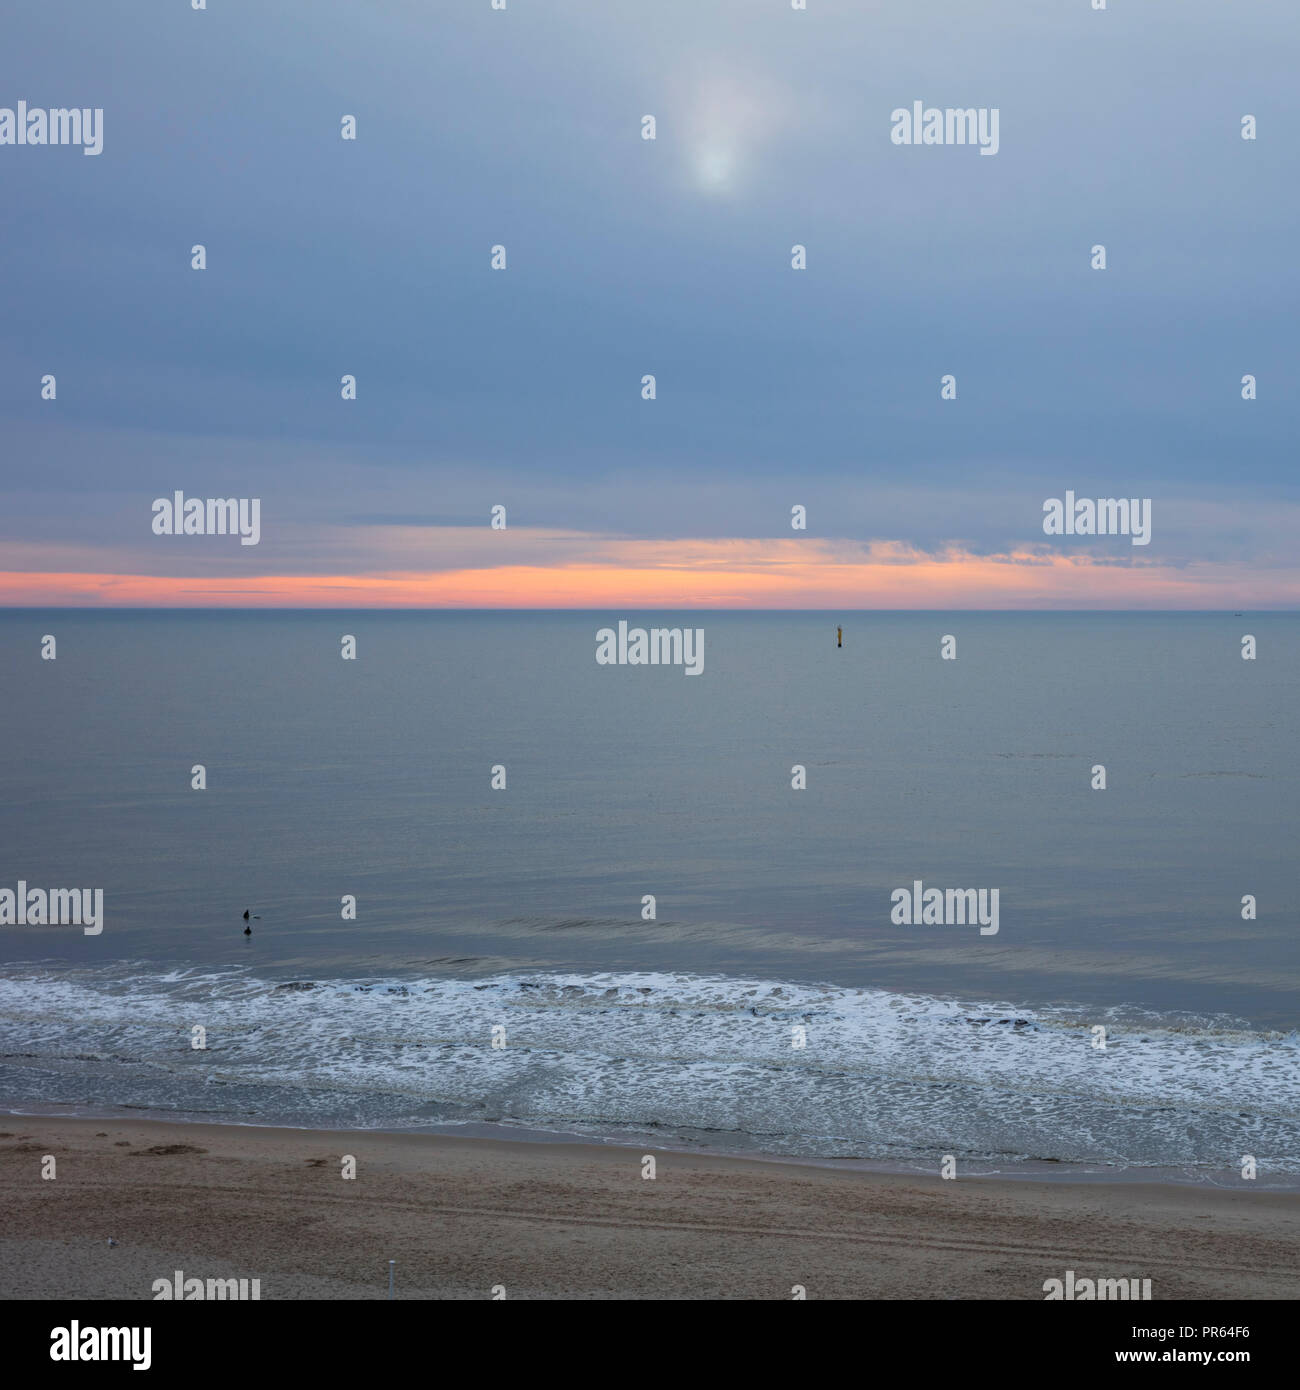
[[245, 914]]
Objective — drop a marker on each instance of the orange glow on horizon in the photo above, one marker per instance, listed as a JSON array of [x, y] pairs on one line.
[[701, 574]]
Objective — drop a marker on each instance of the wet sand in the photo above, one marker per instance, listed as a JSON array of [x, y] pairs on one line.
[[464, 1215]]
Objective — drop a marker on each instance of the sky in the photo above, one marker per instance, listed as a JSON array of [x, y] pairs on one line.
[[775, 387]]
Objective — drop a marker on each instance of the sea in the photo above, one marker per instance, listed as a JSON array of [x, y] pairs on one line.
[[494, 885]]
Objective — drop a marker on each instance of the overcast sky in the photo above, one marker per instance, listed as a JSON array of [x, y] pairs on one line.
[[671, 257]]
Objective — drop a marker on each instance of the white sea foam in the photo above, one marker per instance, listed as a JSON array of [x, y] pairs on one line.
[[883, 1075]]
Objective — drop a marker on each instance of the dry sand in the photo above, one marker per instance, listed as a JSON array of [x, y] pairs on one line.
[[578, 1221]]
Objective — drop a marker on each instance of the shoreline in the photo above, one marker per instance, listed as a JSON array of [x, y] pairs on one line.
[[1008, 1170], [462, 1215]]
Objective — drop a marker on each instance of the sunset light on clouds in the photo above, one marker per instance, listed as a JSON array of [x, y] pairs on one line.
[[700, 574]]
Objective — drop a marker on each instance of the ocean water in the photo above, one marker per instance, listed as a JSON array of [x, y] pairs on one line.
[[520, 910]]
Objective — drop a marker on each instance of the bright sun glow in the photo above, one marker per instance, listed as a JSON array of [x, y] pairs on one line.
[[728, 121], [714, 168]]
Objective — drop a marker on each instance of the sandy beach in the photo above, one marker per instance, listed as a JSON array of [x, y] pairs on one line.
[[558, 1220]]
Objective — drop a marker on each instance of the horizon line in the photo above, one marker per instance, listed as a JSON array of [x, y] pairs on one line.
[[635, 608]]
